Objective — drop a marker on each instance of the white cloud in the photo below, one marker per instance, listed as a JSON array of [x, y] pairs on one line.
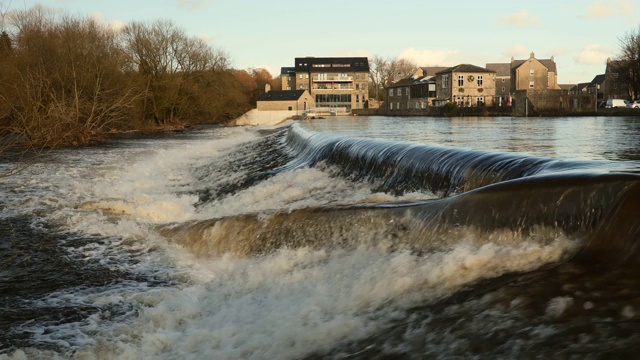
[[114, 24], [517, 51], [604, 9], [521, 18], [593, 55], [195, 4], [432, 57]]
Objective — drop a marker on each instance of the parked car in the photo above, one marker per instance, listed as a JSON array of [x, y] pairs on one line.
[[635, 104], [602, 104], [616, 103]]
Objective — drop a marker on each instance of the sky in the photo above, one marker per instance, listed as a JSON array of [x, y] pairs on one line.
[[580, 34]]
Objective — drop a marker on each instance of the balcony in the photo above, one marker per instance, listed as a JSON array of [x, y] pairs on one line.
[[332, 78]]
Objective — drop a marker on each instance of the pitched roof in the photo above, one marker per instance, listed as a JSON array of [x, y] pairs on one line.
[[412, 80], [501, 69], [432, 70], [281, 95], [466, 68], [332, 64], [548, 63], [599, 79], [567, 86]]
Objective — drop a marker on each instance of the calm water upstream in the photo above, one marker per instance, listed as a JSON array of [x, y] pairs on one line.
[[344, 237]]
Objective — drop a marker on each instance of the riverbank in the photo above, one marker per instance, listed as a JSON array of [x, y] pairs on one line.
[[491, 112]]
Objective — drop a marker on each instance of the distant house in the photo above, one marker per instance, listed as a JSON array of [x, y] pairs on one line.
[[534, 74], [503, 81], [291, 100], [415, 92], [466, 85], [615, 86], [597, 86], [333, 82]]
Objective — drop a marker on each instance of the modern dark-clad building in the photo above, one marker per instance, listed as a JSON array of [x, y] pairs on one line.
[[333, 82]]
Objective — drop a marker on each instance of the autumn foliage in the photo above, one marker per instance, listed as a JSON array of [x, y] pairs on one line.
[[67, 81]]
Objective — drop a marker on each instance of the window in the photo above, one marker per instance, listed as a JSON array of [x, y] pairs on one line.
[[445, 81], [502, 79], [417, 105], [288, 87], [357, 86], [406, 91], [532, 72], [390, 106], [306, 75], [390, 92], [399, 92], [290, 108], [460, 80], [479, 80], [480, 100], [423, 104], [531, 84], [300, 76], [398, 105], [357, 98], [503, 89]]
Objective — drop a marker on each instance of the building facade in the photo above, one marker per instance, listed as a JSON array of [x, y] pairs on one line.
[[534, 74], [415, 92], [333, 82], [503, 82], [614, 85], [466, 85], [289, 100]]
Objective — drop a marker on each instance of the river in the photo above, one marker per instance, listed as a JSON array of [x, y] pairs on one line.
[[344, 237]]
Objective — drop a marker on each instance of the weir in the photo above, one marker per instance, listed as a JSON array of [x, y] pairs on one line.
[[585, 207], [402, 167]]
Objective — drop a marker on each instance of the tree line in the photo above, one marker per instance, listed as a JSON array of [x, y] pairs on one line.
[[69, 81]]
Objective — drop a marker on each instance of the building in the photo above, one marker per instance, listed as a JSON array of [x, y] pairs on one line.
[[597, 86], [289, 100], [534, 74], [615, 86], [332, 82], [418, 91], [288, 78], [466, 85], [503, 82]]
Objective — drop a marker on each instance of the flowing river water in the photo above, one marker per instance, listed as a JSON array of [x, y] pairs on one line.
[[337, 238]]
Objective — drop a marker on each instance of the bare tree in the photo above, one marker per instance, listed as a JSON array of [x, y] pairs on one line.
[[63, 84], [377, 75], [628, 63], [171, 66], [383, 72]]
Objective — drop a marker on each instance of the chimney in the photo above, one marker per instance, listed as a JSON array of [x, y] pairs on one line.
[[267, 88], [512, 59], [533, 55]]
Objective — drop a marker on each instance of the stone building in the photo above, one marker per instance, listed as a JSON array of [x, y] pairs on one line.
[[466, 85], [415, 92], [297, 101], [332, 82], [534, 74], [614, 85], [503, 82]]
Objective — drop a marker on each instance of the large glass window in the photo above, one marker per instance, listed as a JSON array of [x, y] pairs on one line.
[[445, 81]]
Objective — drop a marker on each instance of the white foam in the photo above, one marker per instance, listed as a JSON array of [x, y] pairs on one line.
[[294, 302]]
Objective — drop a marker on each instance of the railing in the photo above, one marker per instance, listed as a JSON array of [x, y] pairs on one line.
[[332, 78]]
